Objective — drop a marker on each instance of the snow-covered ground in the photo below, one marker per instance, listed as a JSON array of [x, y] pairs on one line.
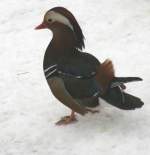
[[116, 29]]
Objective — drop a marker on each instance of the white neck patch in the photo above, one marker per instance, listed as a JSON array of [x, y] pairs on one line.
[[55, 16]]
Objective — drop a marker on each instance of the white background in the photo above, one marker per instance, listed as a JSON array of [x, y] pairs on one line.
[[119, 30]]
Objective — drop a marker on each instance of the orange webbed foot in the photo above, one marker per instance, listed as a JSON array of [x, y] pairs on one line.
[[67, 120]]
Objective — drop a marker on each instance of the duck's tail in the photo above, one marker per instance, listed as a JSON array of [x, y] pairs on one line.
[[116, 97]]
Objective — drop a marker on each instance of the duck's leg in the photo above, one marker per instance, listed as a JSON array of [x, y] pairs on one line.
[[67, 119]]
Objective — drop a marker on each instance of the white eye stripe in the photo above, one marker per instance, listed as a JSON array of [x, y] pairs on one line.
[[55, 16]]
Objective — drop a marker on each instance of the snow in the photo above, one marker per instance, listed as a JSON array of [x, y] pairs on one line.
[[114, 29]]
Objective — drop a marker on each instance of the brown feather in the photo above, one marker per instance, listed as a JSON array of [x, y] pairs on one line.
[[59, 91], [105, 73]]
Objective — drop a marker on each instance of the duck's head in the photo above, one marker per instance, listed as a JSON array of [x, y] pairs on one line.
[[59, 18]]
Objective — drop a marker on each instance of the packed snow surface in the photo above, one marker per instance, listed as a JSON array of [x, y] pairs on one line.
[[115, 29]]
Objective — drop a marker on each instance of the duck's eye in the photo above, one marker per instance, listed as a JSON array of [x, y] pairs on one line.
[[49, 20]]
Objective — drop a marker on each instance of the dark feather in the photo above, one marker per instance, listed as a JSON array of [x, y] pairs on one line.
[[80, 64], [122, 100]]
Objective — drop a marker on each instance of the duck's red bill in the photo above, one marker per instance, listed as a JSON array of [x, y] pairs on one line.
[[41, 26]]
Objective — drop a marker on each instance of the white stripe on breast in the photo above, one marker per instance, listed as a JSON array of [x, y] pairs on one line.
[[47, 69]]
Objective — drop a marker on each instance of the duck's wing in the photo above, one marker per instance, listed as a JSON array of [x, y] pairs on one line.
[[82, 74], [80, 65], [78, 73]]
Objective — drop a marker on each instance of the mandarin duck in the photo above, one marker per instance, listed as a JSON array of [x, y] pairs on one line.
[[76, 78]]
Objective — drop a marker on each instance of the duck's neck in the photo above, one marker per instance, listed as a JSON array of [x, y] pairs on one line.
[[62, 44]]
